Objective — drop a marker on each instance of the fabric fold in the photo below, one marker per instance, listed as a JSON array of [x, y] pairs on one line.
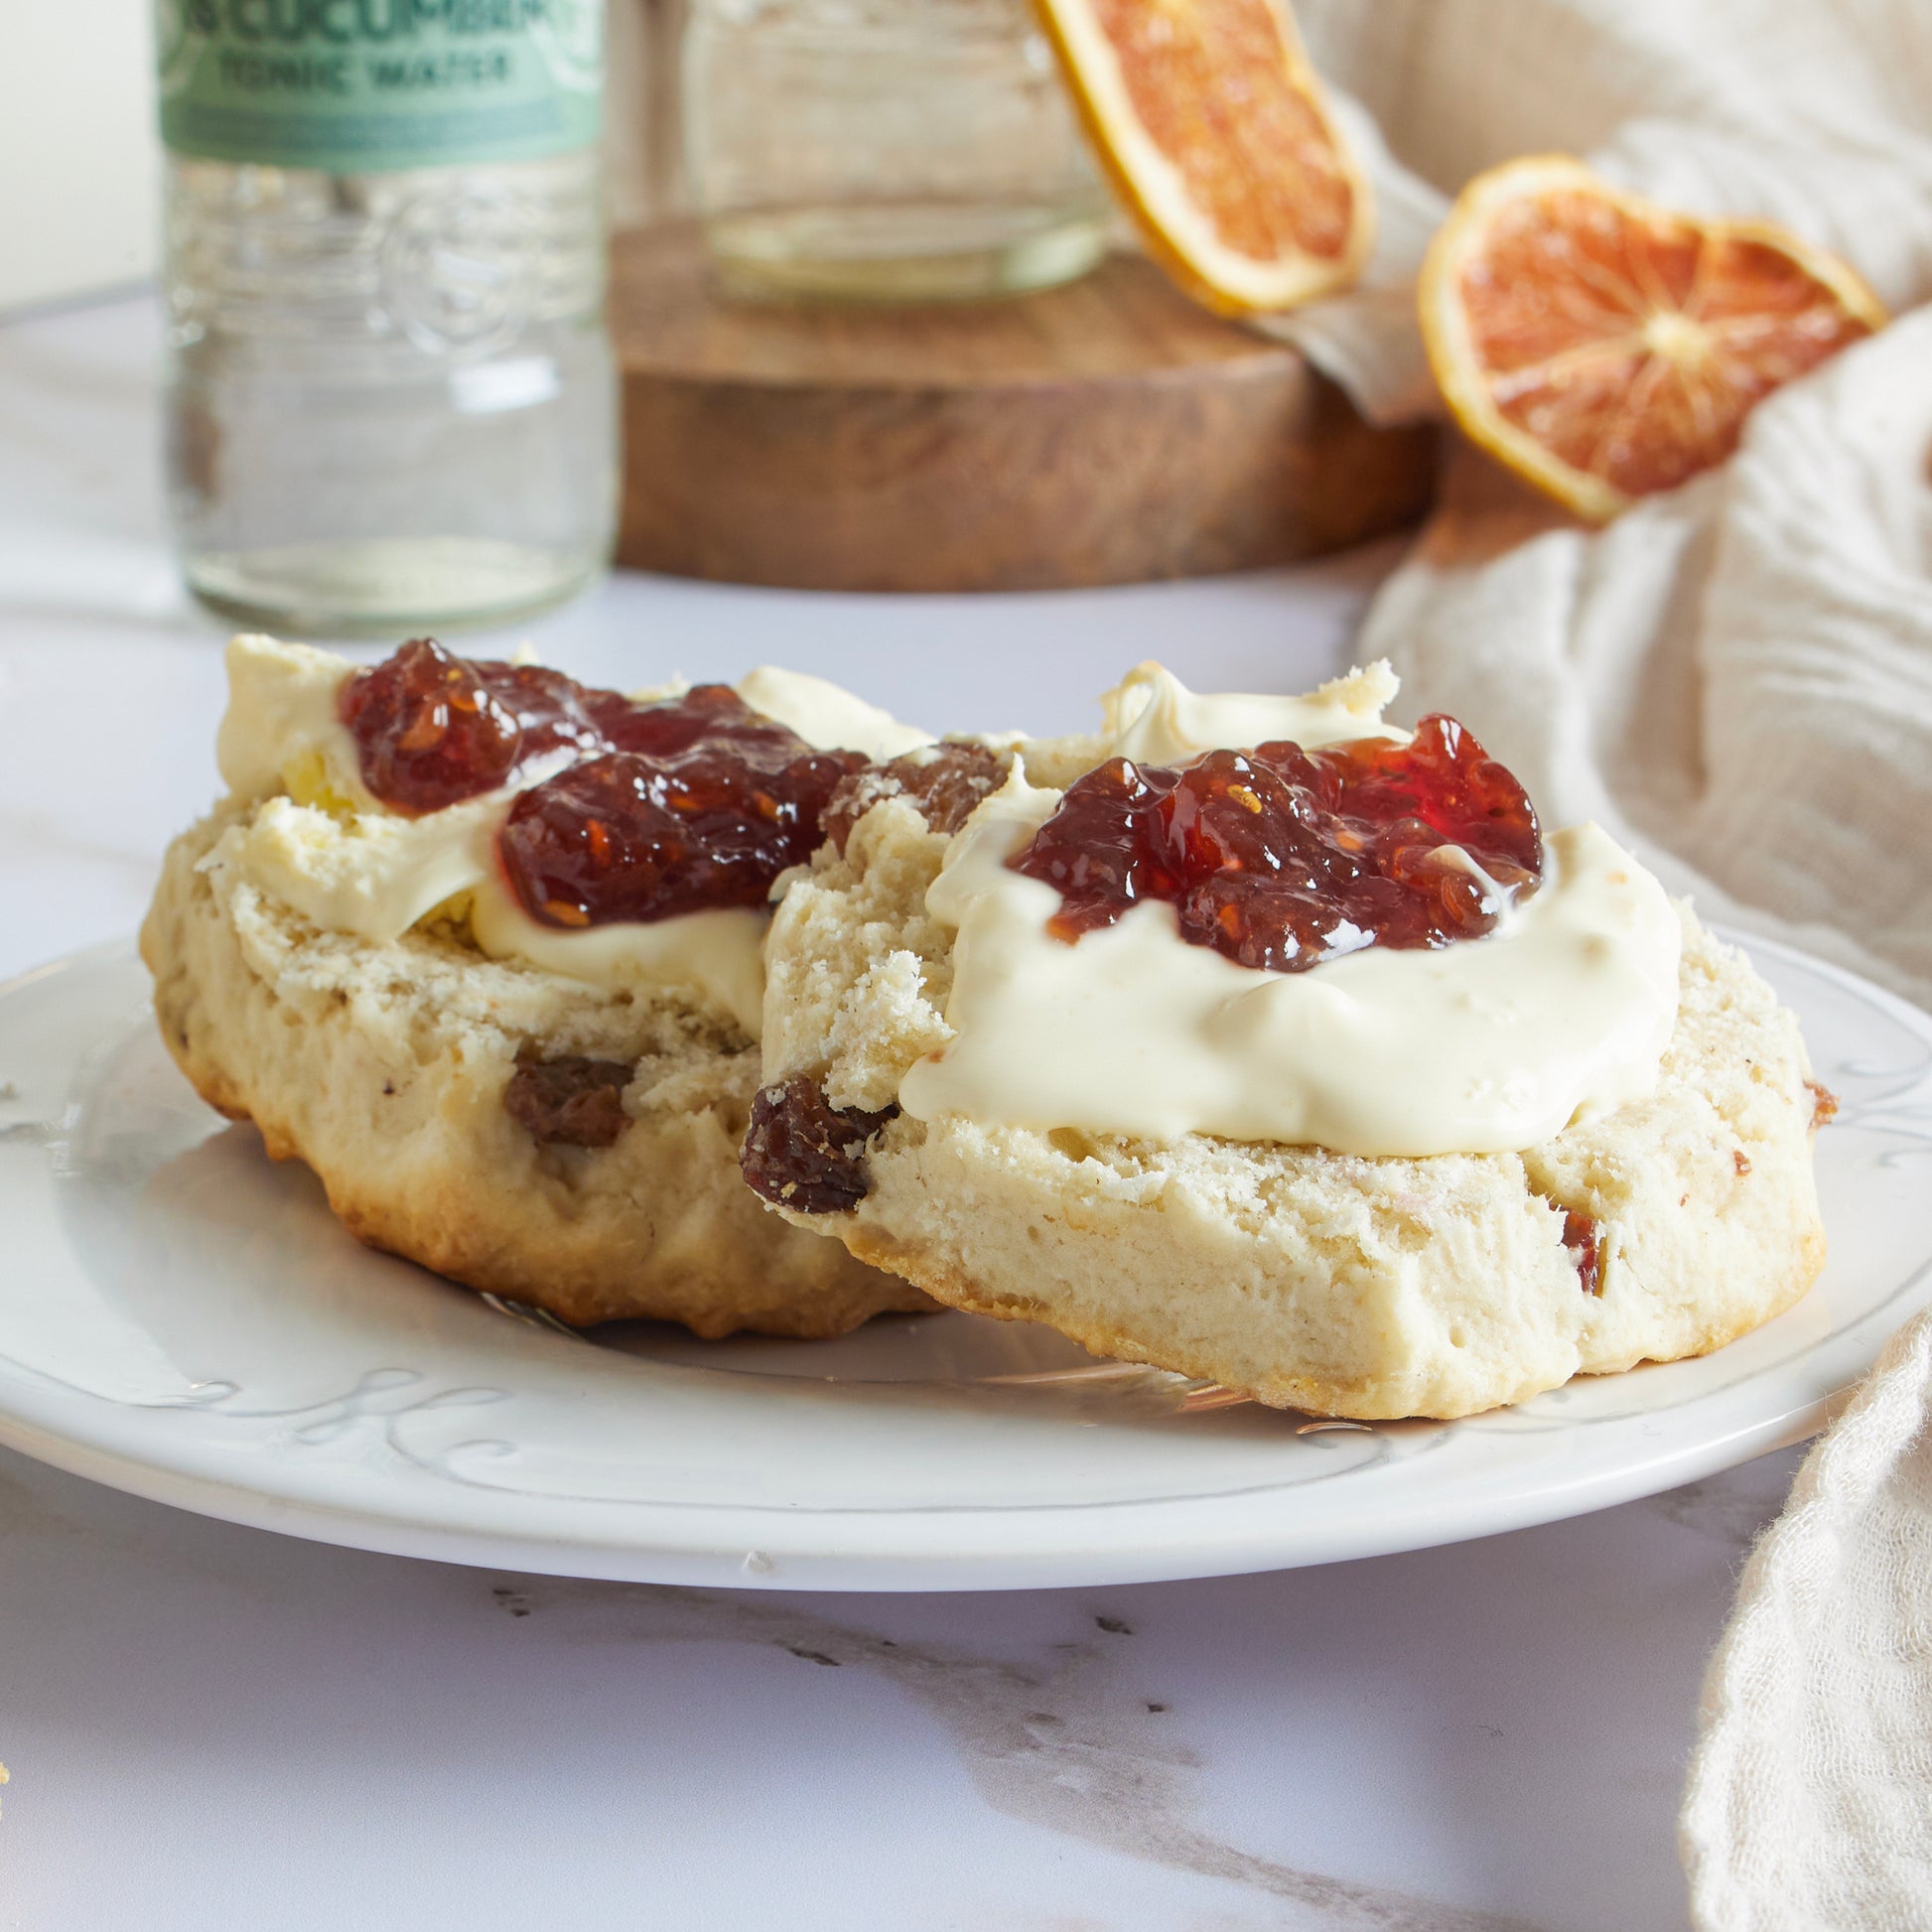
[[1736, 679], [1807, 1806]]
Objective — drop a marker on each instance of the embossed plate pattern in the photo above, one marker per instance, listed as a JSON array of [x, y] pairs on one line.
[[180, 1318]]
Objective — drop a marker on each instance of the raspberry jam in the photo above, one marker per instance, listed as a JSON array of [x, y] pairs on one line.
[[632, 836], [1280, 857], [669, 808], [432, 729]]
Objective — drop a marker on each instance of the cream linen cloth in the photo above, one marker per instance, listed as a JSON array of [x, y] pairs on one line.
[[1736, 679]]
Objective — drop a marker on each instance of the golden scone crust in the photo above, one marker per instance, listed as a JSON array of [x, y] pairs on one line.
[[383, 1067], [1331, 1283]]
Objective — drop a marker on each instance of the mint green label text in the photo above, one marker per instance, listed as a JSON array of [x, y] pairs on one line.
[[366, 86]]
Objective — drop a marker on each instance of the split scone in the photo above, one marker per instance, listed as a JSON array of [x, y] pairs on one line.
[[1314, 1070], [482, 947]]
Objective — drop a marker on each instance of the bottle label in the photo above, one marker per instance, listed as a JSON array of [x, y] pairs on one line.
[[368, 86]]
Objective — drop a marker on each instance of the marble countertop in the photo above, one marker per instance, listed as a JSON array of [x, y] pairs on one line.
[[208, 1725]]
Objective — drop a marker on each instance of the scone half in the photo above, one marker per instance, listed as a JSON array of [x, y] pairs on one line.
[[386, 1068], [542, 1103], [1342, 1284]]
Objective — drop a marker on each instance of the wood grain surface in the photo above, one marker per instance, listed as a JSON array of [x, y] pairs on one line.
[[1104, 432]]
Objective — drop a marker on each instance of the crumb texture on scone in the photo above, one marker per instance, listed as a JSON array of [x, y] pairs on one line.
[[384, 1068], [1369, 1287]]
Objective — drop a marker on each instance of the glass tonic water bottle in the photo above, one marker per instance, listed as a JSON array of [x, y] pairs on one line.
[[391, 401]]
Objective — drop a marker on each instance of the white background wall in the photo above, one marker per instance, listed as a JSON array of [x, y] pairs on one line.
[[78, 148]]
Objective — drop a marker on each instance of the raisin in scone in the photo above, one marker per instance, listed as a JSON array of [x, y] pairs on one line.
[[489, 1075], [1544, 1125]]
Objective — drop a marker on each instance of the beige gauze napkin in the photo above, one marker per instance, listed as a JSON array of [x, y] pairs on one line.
[[1736, 679]]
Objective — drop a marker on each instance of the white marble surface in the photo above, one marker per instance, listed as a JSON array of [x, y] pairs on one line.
[[209, 1727]]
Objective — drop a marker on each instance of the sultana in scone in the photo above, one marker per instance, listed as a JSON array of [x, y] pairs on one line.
[[1344, 1284], [562, 1141]]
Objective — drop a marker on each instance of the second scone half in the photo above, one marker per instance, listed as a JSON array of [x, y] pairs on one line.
[[546, 1112], [1345, 1283]]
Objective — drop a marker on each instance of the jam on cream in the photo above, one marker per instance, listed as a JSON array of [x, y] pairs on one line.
[[323, 843], [1281, 858], [1489, 1044]]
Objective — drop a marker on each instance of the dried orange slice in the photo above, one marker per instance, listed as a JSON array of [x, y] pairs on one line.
[[1606, 348], [1213, 127]]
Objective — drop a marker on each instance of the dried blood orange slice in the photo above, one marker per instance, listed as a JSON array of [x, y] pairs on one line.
[[1213, 127], [1606, 348]]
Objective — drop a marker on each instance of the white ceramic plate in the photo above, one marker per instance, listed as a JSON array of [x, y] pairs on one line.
[[182, 1319]]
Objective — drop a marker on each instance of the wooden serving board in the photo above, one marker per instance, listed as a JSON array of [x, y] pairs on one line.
[[1104, 432]]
